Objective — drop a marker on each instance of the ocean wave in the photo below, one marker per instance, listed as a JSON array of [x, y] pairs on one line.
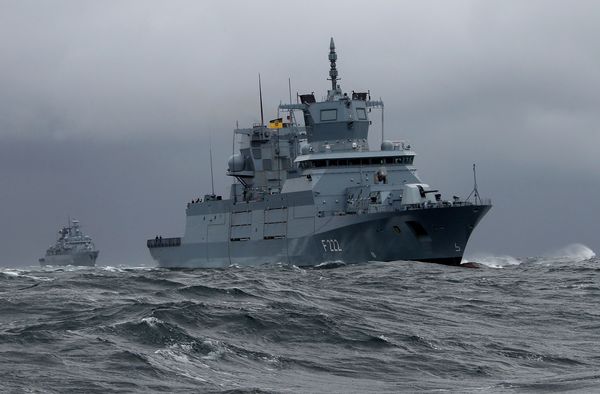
[[383, 327], [148, 331], [175, 359], [65, 268], [153, 281], [11, 273], [204, 290]]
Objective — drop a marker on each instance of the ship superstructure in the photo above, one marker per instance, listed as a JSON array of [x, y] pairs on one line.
[[313, 193], [72, 248]]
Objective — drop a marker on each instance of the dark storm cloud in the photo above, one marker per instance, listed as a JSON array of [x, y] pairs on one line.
[[106, 107]]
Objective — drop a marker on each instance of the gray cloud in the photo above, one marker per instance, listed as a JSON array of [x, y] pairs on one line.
[[106, 108]]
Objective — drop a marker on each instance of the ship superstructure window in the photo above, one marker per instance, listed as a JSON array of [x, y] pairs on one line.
[[328, 114], [399, 160], [307, 98], [362, 161], [361, 113], [267, 165]]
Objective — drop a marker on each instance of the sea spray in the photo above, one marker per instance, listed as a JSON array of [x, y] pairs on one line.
[[575, 251]]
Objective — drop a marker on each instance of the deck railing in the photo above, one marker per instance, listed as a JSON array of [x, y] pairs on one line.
[[163, 242]]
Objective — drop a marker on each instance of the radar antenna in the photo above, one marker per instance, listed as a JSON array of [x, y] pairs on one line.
[[475, 192], [333, 73]]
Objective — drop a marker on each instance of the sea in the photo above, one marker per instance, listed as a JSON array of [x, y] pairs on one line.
[[510, 325]]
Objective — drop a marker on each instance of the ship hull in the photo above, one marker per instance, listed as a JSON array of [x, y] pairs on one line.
[[84, 259], [437, 235]]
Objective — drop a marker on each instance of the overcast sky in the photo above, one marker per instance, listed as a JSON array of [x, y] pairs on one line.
[[106, 108]]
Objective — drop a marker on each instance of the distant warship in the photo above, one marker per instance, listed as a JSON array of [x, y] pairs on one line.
[[71, 248], [314, 193]]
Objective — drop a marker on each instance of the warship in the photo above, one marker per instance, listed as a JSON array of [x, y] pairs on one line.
[[71, 248], [311, 192]]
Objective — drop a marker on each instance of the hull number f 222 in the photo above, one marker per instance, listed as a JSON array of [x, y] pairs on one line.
[[331, 245]]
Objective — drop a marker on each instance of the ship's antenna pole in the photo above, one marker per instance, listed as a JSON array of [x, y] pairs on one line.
[[262, 117], [291, 114], [234, 196], [475, 192], [237, 127], [212, 179], [477, 198], [382, 133]]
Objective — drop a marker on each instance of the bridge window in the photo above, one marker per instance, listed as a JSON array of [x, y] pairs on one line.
[[361, 113], [328, 114], [363, 161]]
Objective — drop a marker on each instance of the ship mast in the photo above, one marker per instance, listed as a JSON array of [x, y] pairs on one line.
[[333, 73], [212, 179], [262, 117]]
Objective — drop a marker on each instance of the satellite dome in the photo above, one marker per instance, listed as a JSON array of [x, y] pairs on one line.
[[387, 145], [235, 163]]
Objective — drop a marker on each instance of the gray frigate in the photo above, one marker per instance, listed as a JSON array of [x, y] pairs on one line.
[[310, 192], [72, 248]]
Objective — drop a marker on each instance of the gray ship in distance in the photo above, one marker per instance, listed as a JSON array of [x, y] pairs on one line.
[[73, 247], [312, 192]]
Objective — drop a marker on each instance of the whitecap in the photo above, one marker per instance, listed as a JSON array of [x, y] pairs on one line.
[[111, 268], [152, 321], [298, 269], [330, 264], [384, 338], [217, 349], [18, 273], [11, 272], [493, 261]]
